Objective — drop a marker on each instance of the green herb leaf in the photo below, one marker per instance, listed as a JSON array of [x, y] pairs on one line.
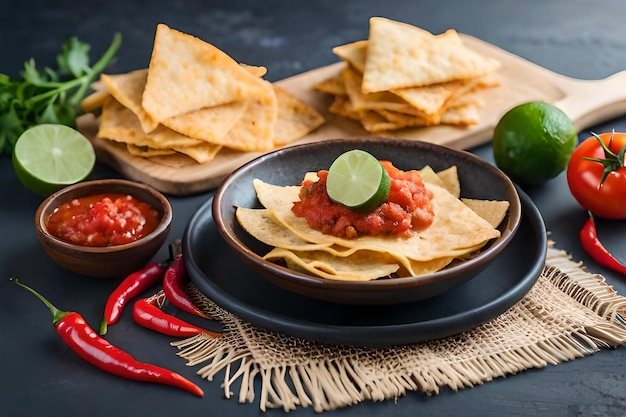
[[49, 95], [75, 57]]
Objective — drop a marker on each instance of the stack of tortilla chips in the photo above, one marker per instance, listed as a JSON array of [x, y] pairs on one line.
[[404, 76], [194, 99], [460, 230]]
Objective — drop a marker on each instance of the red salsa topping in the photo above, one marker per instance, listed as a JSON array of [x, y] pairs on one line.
[[408, 208], [103, 220]]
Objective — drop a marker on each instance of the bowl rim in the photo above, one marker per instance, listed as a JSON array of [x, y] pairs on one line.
[[163, 225], [311, 281]]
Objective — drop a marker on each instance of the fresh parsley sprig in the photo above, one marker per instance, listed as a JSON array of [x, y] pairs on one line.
[[49, 95]]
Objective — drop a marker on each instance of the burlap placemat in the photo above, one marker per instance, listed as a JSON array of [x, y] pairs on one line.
[[569, 313]]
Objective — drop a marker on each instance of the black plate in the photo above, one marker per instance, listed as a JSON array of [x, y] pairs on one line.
[[222, 277]]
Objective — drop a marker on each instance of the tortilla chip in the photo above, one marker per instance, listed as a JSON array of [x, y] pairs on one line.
[[201, 153], [360, 266], [254, 131], [334, 86], [128, 90], [341, 106], [146, 151], [450, 180], [354, 53], [176, 160], [375, 122], [187, 74], [294, 119], [430, 99], [426, 267], [400, 55], [257, 71], [261, 224], [466, 89], [374, 101], [120, 124], [94, 101], [210, 124], [465, 115], [429, 175], [492, 211], [406, 120]]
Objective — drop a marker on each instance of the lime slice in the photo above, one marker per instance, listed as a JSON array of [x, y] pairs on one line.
[[358, 181], [49, 157]]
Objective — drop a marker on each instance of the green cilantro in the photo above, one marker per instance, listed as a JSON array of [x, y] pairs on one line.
[[49, 95]]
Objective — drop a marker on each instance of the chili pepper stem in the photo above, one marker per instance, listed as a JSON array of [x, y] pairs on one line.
[[56, 313], [103, 327]]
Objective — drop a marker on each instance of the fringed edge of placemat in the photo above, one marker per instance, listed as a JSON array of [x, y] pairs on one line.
[[341, 380]]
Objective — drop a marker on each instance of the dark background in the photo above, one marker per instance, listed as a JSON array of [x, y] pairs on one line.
[[39, 375]]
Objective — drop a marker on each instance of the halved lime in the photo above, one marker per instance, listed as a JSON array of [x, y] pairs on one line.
[[357, 180], [49, 157]]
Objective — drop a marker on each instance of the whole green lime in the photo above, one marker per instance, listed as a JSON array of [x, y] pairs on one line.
[[533, 142]]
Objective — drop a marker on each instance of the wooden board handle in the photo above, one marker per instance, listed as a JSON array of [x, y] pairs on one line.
[[591, 102]]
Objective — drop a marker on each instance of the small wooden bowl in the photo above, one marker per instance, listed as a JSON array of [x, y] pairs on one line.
[[110, 261]]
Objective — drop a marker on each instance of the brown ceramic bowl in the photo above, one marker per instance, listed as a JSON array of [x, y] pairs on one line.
[[110, 261], [287, 166]]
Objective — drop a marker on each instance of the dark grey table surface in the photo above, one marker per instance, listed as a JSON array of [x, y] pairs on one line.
[[40, 376]]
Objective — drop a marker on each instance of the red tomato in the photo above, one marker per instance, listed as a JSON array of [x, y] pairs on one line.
[[604, 199]]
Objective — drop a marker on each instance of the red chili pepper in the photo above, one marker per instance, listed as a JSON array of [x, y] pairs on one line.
[[87, 344], [147, 313], [594, 248], [172, 287], [129, 288]]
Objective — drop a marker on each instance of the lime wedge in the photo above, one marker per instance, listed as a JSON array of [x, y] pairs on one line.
[[358, 181], [49, 157]]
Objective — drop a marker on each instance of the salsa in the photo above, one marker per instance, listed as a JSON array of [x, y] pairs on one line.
[[408, 207], [103, 220]]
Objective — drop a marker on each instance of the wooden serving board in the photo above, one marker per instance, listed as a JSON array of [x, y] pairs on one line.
[[587, 102]]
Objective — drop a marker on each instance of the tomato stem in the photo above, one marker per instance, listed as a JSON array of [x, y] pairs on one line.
[[611, 161]]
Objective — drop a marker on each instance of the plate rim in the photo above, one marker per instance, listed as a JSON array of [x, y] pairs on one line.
[[351, 334]]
